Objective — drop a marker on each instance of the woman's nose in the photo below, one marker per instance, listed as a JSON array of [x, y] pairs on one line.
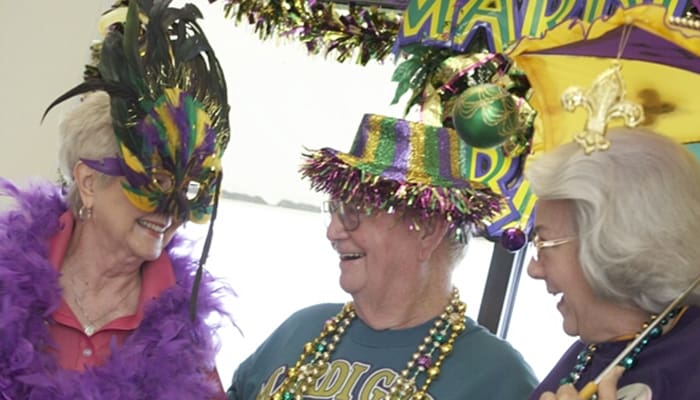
[[534, 269]]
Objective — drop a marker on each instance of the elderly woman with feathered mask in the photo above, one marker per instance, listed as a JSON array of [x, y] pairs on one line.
[[100, 296]]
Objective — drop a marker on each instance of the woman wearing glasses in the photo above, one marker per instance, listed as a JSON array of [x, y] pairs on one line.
[[616, 241], [399, 227]]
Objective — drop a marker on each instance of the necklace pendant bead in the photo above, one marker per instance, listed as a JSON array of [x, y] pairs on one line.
[[425, 361], [433, 372], [656, 332], [628, 362], [446, 348], [583, 355]]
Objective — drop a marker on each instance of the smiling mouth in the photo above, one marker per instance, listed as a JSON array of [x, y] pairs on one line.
[[559, 296], [153, 226], [351, 256]]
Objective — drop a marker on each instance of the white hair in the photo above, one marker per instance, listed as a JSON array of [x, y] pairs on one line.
[[636, 210], [85, 132]]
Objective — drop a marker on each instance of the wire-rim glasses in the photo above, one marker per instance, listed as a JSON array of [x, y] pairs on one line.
[[348, 213], [537, 244]]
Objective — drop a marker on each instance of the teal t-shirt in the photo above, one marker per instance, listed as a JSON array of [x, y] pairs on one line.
[[366, 362]]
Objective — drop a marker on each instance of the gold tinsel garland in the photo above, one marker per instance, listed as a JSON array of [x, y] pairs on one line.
[[369, 31]]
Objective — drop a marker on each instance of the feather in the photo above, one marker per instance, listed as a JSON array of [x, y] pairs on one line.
[[140, 200], [167, 346], [132, 27], [132, 161], [91, 86]]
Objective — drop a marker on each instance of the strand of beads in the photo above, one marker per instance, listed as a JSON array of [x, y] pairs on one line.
[[584, 358], [582, 361], [318, 352], [437, 345], [631, 359]]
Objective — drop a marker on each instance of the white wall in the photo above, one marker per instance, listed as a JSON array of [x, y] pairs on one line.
[[281, 98], [44, 45]]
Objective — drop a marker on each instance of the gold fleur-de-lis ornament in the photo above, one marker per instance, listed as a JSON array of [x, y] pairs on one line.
[[603, 101]]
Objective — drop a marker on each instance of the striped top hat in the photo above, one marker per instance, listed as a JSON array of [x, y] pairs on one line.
[[396, 165]]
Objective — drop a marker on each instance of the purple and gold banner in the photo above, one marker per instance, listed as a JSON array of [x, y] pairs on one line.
[[455, 23], [504, 175]]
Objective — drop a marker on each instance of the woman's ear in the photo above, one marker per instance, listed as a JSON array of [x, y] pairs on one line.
[[431, 235], [85, 180]]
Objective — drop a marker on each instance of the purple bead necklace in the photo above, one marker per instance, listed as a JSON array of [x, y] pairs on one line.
[[427, 360]]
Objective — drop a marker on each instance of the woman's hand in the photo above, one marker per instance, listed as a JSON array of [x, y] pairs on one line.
[[607, 390]]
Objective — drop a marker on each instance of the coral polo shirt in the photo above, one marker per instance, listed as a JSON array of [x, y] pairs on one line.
[[76, 350]]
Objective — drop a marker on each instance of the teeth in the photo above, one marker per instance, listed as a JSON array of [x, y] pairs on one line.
[[152, 226], [350, 256]]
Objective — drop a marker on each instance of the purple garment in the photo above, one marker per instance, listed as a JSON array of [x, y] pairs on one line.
[[167, 357], [669, 365]]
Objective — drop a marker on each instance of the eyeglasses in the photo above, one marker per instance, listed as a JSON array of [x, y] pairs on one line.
[[538, 244], [349, 214]]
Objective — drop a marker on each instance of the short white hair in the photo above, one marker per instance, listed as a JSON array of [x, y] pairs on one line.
[[85, 132], [636, 210]]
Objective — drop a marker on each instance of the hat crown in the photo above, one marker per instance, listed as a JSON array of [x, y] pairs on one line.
[[406, 151]]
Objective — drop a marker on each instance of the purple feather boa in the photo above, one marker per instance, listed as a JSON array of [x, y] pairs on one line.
[[167, 357]]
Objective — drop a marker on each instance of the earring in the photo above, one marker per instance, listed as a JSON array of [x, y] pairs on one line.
[[84, 213]]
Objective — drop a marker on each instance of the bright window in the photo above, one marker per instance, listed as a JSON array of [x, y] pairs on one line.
[[278, 260]]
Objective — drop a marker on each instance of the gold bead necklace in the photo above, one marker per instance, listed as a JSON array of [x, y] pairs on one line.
[[432, 351]]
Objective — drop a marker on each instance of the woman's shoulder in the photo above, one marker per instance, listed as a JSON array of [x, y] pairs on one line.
[[495, 350], [293, 332], [478, 335], [29, 223]]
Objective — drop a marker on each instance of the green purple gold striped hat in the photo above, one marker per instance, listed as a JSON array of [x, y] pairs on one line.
[[397, 165]]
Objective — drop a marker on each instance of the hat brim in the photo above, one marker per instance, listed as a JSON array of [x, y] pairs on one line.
[[343, 176]]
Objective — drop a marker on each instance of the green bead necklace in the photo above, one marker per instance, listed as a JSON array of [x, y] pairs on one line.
[[583, 360], [427, 360]]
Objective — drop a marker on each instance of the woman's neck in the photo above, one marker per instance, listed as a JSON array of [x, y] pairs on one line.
[[98, 267], [619, 323]]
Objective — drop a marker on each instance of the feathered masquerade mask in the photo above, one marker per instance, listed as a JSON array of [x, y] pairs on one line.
[[168, 104]]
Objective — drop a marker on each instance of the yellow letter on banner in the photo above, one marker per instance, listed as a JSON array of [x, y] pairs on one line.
[[437, 14], [593, 9], [536, 21], [497, 17], [502, 174], [668, 4]]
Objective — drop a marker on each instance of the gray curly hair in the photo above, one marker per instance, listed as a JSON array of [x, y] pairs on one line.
[[636, 208], [85, 132]]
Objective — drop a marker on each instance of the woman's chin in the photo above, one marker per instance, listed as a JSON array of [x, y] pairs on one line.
[[148, 251]]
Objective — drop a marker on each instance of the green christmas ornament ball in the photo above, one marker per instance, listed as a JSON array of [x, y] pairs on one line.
[[485, 115]]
